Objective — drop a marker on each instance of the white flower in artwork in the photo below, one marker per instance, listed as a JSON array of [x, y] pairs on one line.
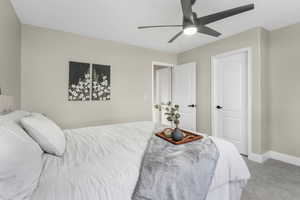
[[104, 83]]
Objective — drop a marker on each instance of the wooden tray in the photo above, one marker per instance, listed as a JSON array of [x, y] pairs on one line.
[[189, 137]]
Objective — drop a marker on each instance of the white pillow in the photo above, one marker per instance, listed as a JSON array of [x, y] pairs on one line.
[[46, 133], [20, 162], [15, 116]]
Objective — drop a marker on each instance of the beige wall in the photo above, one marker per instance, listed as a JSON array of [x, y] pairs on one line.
[[10, 40], [265, 90], [285, 90], [45, 57], [202, 55]]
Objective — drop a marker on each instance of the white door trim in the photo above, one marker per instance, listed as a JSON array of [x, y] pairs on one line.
[[155, 63], [249, 96]]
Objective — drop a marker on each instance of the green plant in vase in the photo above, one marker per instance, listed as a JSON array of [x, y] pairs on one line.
[[172, 115]]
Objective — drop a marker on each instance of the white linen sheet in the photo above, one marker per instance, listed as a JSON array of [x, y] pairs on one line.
[[102, 163]]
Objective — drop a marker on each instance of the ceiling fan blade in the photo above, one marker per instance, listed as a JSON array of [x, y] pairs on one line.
[[187, 9], [175, 37], [159, 26], [208, 31], [224, 14]]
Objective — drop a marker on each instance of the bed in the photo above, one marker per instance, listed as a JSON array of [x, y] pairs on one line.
[[92, 163], [103, 163]]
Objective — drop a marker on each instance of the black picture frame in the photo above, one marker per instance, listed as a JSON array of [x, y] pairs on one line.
[[101, 82], [79, 81]]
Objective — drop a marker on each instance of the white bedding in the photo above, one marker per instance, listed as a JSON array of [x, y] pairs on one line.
[[102, 163]]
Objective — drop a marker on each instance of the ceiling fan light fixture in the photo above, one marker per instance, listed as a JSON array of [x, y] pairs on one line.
[[190, 30]]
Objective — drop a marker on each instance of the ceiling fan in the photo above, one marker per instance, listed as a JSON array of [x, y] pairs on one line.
[[193, 24]]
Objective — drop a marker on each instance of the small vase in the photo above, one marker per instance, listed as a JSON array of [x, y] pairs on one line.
[[177, 135]]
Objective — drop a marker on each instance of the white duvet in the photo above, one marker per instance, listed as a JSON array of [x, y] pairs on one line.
[[102, 163]]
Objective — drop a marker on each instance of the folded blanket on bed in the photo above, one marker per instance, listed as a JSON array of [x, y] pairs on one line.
[[176, 172]]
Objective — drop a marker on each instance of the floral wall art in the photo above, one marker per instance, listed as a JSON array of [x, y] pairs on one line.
[[79, 81], [101, 82], [89, 82]]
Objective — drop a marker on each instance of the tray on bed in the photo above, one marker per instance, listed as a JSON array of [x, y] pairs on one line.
[[189, 137]]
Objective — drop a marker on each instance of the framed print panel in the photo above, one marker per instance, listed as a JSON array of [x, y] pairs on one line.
[[79, 81], [101, 82]]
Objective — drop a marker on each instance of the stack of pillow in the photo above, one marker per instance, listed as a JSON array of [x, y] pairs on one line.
[[24, 138]]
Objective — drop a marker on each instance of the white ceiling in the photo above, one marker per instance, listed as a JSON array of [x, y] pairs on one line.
[[117, 20]]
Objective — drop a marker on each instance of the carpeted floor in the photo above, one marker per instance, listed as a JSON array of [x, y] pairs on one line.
[[272, 180]]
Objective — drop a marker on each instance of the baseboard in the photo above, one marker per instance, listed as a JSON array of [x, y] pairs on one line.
[[284, 158], [260, 158]]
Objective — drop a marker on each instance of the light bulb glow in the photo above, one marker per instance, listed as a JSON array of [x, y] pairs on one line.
[[190, 30]]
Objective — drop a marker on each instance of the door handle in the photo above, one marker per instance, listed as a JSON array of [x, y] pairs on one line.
[[219, 107], [192, 106]]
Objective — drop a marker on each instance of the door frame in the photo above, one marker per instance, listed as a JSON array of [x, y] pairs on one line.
[[247, 50], [155, 63]]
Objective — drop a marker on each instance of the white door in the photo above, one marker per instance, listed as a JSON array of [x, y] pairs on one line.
[[230, 99], [184, 94], [163, 90]]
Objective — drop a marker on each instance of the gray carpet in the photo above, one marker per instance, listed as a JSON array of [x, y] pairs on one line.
[[272, 180]]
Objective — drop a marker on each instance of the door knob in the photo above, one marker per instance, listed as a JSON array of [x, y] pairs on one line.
[[192, 106], [219, 107]]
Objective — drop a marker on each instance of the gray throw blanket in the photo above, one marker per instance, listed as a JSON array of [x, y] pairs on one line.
[[176, 172]]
